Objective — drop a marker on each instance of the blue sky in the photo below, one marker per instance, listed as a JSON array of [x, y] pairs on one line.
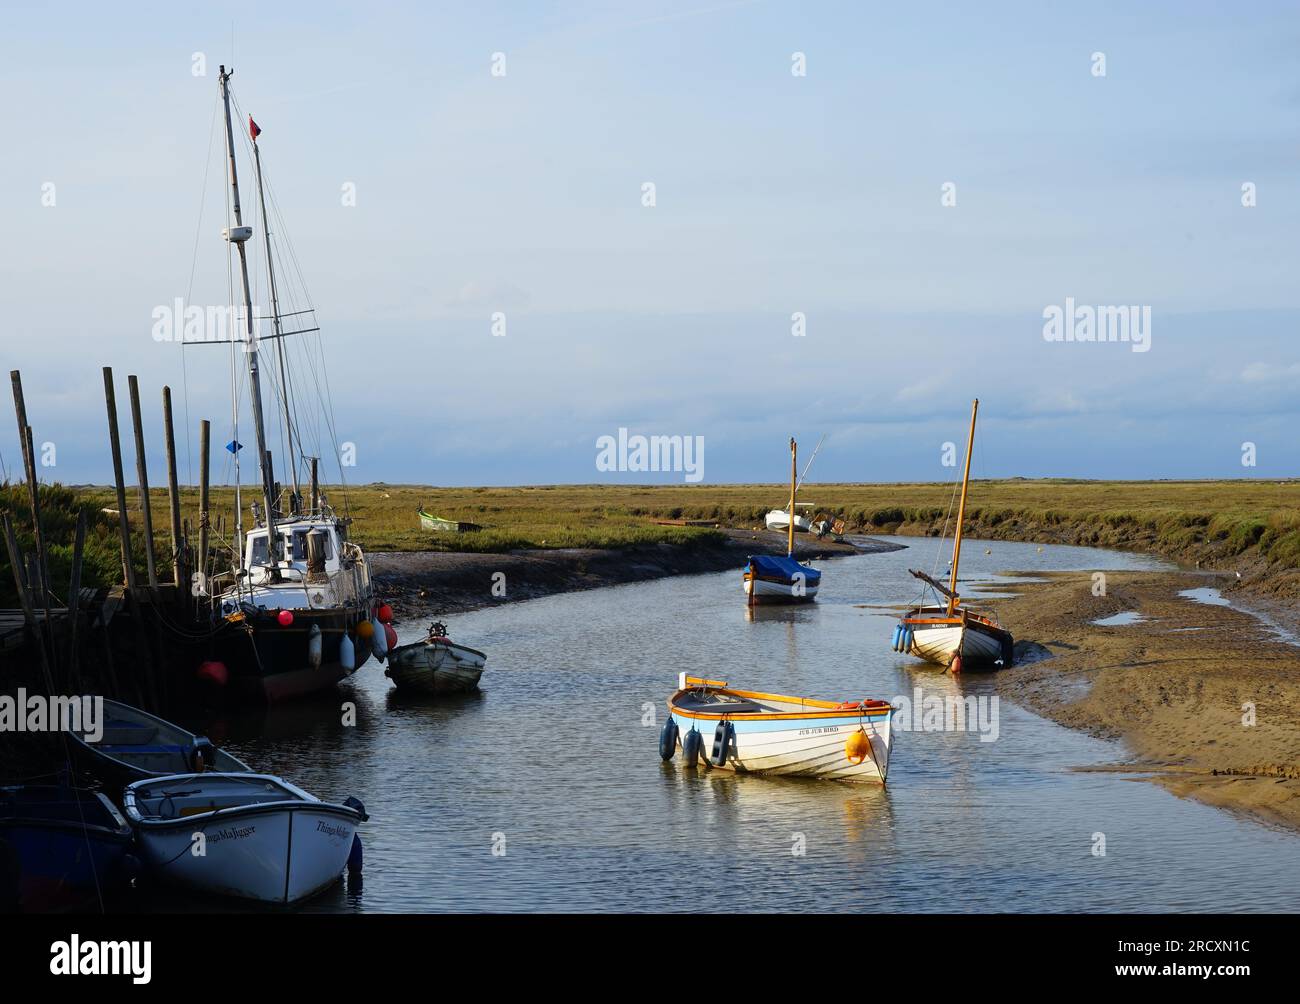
[[775, 194]]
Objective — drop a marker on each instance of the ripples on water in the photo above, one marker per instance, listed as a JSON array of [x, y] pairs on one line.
[[553, 756]]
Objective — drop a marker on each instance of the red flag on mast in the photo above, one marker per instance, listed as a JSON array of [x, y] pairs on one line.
[[253, 129]]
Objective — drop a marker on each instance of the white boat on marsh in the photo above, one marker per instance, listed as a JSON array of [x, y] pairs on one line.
[[759, 733], [778, 520], [435, 665], [261, 838]]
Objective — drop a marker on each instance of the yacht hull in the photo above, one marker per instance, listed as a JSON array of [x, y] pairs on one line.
[[269, 662]]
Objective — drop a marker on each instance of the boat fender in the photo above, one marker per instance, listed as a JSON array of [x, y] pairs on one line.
[[668, 740], [956, 665], [691, 746], [378, 640], [354, 803], [909, 636], [314, 647], [347, 654], [896, 637], [355, 856], [390, 636], [724, 740], [385, 613], [858, 747], [214, 672]]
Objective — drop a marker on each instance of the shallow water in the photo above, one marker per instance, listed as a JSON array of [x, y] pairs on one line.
[[1121, 619], [553, 758]]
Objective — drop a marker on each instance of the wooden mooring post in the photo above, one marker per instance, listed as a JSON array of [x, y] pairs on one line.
[[179, 558], [142, 475], [115, 444]]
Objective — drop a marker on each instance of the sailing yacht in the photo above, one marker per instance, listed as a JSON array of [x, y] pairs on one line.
[[774, 579], [289, 614], [948, 633]]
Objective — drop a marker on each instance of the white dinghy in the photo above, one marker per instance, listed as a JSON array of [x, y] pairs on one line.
[[261, 837]]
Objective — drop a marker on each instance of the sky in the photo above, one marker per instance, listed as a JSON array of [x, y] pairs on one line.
[[938, 177]]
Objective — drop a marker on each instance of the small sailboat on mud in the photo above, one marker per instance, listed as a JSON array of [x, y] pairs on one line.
[[948, 633], [753, 732], [774, 579], [289, 617]]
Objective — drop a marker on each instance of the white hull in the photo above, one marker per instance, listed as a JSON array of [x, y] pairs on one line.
[[941, 643], [764, 591], [805, 749], [779, 519], [272, 852], [435, 667]]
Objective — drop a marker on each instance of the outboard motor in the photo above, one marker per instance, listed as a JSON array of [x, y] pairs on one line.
[[203, 755]]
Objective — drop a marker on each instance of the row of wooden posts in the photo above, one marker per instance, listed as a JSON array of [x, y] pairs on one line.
[[31, 572]]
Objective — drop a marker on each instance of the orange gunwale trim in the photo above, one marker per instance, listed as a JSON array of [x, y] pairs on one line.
[[874, 709], [957, 621]]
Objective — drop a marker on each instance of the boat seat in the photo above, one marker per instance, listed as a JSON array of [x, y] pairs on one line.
[[126, 734], [716, 705]]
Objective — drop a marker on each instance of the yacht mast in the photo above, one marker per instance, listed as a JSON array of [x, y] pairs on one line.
[[794, 474], [961, 511], [275, 317], [238, 235]]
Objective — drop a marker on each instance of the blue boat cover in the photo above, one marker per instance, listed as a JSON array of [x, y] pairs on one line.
[[781, 567]]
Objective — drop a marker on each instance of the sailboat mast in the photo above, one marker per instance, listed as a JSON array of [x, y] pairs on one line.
[[794, 474], [238, 235], [961, 510], [275, 319]]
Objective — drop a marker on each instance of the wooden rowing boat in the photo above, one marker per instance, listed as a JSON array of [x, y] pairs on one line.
[[428, 521], [436, 665], [758, 733], [263, 838], [137, 745]]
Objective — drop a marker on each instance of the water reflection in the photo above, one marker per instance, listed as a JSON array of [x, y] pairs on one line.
[[553, 765]]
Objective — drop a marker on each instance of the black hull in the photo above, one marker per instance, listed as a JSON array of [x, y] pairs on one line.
[[269, 662]]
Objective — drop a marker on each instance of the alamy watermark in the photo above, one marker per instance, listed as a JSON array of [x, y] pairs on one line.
[[1083, 323], [34, 713], [181, 322], [683, 454], [947, 713]]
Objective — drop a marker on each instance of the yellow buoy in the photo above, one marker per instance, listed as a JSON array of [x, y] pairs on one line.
[[365, 629], [858, 748]]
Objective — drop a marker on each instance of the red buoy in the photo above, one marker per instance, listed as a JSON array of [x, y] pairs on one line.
[[956, 665], [390, 633], [385, 614], [285, 617], [213, 672]]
